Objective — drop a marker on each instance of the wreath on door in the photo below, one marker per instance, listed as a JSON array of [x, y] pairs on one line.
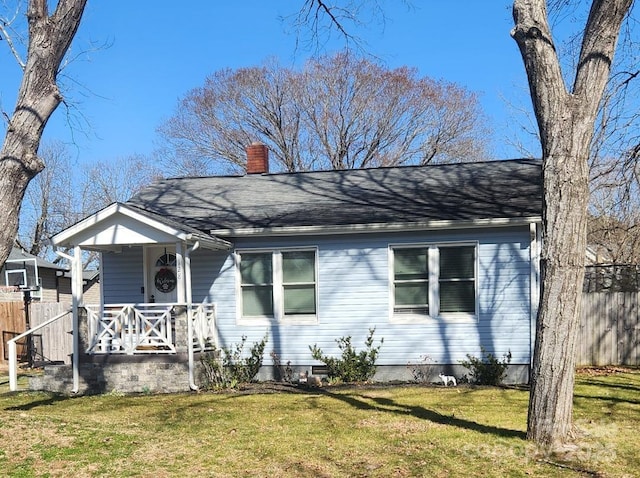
[[165, 280]]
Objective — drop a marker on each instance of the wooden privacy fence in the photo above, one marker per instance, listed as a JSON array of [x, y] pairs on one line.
[[52, 343], [609, 329], [56, 338], [12, 323]]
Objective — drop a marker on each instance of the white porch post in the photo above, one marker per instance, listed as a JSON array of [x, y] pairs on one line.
[[76, 301], [187, 277], [183, 269], [187, 272], [180, 272]]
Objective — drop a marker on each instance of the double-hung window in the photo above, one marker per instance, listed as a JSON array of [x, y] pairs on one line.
[[411, 280], [434, 280], [278, 284], [256, 279], [457, 279], [299, 282]]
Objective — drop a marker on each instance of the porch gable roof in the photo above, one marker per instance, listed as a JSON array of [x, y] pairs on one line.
[[120, 224]]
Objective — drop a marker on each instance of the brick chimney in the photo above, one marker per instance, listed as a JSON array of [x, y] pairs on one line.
[[257, 158]]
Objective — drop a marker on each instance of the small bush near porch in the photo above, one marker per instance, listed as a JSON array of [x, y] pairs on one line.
[[275, 430]]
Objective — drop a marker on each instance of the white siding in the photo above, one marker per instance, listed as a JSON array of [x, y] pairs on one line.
[[353, 296]]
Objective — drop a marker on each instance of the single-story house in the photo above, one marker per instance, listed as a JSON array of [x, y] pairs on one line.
[[442, 260]]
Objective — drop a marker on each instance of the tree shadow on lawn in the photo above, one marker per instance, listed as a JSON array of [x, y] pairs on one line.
[[52, 399], [626, 391], [604, 398], [388, 405], [601, 383]]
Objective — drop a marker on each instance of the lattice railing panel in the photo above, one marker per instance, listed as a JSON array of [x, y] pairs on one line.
[[204, 327], [129, 329]]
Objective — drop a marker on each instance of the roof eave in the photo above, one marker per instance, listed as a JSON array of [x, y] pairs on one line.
[[377, 227], [213, 243]]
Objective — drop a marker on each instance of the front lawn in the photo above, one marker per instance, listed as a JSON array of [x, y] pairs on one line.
[[381, 431]]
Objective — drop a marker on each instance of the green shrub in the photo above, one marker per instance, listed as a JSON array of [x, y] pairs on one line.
[[352, 366], [228, 367], [487, 370]]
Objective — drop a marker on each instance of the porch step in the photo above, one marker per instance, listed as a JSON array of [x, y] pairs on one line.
[[45, 363]]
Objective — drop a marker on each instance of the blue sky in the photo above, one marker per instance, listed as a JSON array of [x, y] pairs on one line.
[[157, 51]]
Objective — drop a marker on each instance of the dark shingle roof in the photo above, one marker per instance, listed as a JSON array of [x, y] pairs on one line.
[[399, 195]]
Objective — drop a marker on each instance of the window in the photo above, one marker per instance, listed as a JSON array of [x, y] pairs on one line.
[[299, 282], [434, 280], [257, 284], [278, 284], [457, 280], [411, 280], [166, 259]]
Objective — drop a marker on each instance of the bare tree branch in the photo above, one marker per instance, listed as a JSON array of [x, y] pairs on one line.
[[5, 34], [37, 99], [338, 112], [316, 22]]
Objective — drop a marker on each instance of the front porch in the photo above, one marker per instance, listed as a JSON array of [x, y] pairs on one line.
[[135, 348], [147, 331]]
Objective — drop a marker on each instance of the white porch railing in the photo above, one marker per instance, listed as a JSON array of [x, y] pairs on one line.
[[129, 328], [146, 328], [133, 329], [204, 327]]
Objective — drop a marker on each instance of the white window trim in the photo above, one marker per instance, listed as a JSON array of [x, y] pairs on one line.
[[434, 285], [278, 289]]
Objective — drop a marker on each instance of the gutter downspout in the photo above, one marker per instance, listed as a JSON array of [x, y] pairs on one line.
[[534, 288], [76, 278], [187, 279]]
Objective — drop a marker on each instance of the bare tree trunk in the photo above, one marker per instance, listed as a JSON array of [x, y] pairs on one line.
[[566, 195], [566, 121], [49, 39]]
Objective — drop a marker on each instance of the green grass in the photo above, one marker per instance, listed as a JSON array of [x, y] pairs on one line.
[[344, 431]]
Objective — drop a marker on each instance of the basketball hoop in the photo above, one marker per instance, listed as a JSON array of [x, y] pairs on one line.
[[21, 275]]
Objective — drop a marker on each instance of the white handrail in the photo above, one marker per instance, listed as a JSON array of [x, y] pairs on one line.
[[132, 304], [13, 355]]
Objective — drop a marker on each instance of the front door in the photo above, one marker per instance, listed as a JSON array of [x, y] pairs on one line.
[[162, 282]]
